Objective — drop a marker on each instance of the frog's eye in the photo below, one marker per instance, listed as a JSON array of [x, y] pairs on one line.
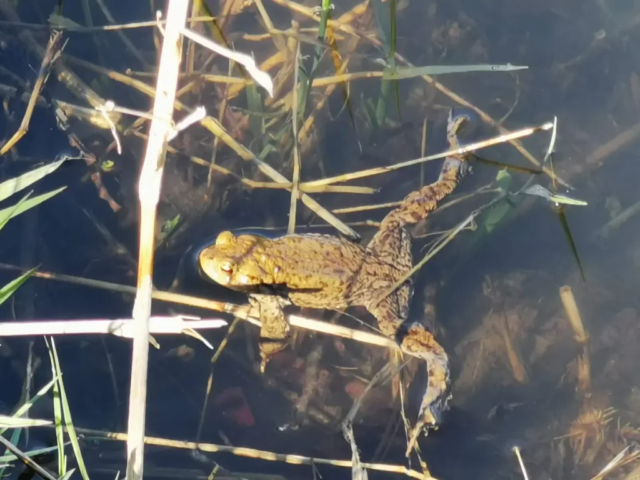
[[225, 238], [227, 268]]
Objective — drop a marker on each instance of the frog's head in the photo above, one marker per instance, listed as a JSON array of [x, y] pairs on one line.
[[234, 261]]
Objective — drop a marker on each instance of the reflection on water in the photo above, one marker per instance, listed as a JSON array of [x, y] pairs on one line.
[[521, 375]]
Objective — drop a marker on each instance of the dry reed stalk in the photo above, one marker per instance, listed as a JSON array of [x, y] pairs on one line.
[[149, 195], [517, 366], [277, 39], [259, 454], [471, 147], [573, 314], [581, 337], [51, 54], [364, 208]]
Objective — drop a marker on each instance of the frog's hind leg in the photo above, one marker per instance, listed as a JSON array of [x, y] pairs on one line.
[[419, 204], [415, 340], [274, 333]]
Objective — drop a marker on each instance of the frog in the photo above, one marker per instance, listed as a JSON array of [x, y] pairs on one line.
[[328, 272]]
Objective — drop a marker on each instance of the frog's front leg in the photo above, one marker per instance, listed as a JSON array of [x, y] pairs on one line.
[[274, 333], [418, 342]]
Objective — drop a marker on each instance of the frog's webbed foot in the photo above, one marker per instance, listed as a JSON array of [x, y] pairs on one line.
[[274, 333], [415, 340]]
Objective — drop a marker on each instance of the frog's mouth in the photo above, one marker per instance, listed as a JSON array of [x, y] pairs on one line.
[[279, 290], [212, 272]]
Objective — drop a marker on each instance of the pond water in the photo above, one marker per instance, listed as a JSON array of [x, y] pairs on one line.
[[521, 374]]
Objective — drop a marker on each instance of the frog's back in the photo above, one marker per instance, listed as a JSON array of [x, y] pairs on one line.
[[320, 270], [314, 256]]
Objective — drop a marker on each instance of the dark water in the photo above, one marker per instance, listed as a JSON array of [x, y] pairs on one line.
[[583, 69]]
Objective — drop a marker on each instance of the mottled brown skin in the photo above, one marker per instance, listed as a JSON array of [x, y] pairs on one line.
[[322, 271]]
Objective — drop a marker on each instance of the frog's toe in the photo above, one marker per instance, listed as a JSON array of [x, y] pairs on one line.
[[269, 347]]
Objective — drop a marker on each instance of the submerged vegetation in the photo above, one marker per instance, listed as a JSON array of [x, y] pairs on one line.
[[274, 118]]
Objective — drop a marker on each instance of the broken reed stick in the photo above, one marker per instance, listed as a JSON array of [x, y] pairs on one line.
[[515, 361], [52, 53], [581, 337], [149, 194], [122, 327]]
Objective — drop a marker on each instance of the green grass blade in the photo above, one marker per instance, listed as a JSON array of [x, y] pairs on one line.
[[563, 199], [398, 73], [569, 237], [15, 438], [57, 413], [67, 475], [67, 415], [18, 422], [14, 185], [256, 114], [24, 408], [381, 13], [31, 453], [11, 287], [337, 65], [384, 12], [540, 191], [7, 214], [25, 204], [306, 79]]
